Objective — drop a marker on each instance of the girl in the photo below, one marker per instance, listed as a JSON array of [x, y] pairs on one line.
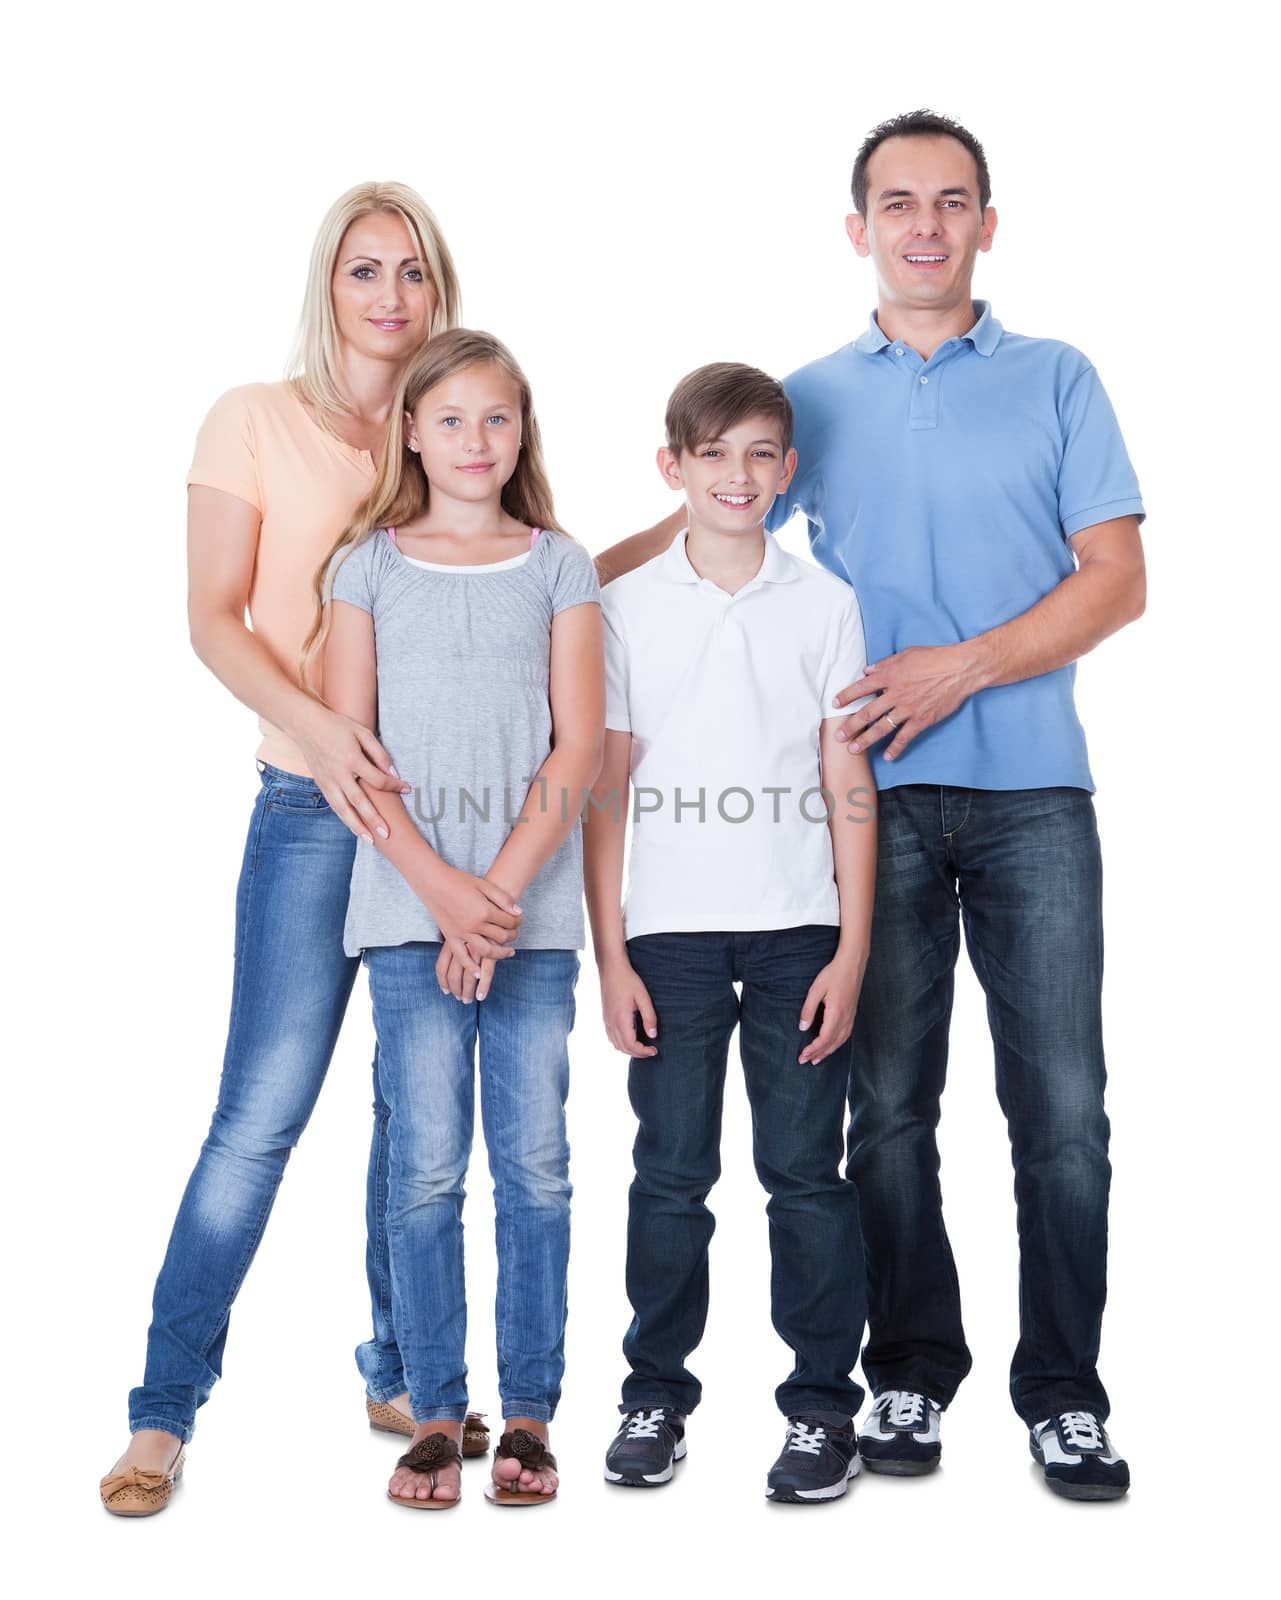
[[278, 470], [467, 626]]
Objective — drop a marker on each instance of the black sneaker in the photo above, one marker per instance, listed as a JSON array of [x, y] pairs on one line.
[[816, 1463], [645, 1449], [1078, 1457], [900, 1434]]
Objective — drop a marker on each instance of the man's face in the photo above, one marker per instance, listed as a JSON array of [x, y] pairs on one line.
[[922, 228]]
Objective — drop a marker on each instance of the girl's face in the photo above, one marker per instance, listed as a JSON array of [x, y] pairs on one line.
[[383, 297], [467, 432]]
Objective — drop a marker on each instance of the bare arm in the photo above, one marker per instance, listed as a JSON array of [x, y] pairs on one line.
[[631, 553], [222, 545], [852, 825], [555, 798], [467, 911], [623, 994], [922, 685]]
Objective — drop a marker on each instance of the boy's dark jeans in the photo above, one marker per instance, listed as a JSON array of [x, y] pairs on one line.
[[1020, 871], [798, 1115]]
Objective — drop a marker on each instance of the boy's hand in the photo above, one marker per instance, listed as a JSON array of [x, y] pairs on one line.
[[622, 995], [461, 976], [837, 987], [474, 915]]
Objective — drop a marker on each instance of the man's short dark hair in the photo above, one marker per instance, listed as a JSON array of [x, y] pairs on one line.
[[708, 402], [918, 125]]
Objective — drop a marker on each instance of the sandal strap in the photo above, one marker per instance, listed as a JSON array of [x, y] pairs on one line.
[[527, 1448], [474, 1422], [430, 1454]]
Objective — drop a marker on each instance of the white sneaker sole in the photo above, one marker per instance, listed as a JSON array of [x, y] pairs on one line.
[[831, 1491], [649, 1480]]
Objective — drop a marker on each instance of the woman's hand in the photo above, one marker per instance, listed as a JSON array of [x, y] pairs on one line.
[[341, 755], [622, 996], [837, 988]]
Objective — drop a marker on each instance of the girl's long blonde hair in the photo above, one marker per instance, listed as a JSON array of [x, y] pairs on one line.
[[400, 491], [314, 365]]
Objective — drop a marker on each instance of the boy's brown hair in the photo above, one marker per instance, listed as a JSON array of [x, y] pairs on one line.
[[706, 403]]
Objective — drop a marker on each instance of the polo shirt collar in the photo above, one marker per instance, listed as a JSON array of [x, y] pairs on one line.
[[985, 335], [775, 568]]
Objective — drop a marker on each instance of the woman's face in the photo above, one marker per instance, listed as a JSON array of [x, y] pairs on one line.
[[383, 297]]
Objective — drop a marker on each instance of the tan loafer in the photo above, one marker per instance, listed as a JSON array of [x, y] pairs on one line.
[[386, 1419], [140, 1491]]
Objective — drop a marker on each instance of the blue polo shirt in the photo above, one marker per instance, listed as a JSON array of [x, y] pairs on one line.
[[945, 491]]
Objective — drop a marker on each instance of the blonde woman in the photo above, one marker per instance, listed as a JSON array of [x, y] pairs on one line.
[[469, 626], [278, 470]]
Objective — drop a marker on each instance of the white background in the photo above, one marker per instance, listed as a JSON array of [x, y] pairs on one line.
[[627, 194]]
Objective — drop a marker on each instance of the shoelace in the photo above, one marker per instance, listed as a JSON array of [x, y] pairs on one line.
[[809, 1441], [905, 1408], [641, 1426], [1081, 1430]]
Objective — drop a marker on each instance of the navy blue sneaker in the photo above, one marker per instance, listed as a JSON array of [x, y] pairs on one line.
[[646, 1448], [900, 1435], [1077, 1457], [816, 1463]]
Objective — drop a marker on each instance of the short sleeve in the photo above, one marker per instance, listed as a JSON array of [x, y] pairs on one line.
[[349, 574], [617, 712], [573, 579], [225, 450], [1096, 480], [800, 494], [846, 658]]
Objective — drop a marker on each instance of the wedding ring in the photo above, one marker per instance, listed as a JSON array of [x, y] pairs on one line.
[[891, 722]]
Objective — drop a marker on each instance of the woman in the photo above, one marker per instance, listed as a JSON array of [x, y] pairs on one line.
[[278, 470]]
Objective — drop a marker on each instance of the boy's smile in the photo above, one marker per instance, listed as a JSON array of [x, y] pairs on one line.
[[730, 482]]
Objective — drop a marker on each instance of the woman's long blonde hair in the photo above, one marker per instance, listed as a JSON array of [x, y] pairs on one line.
[[315, 364], [400, 491]]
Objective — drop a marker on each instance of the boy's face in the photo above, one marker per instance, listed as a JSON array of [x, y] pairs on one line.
[[730, 483]]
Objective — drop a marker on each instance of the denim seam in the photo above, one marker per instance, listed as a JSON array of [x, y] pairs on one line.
[[237, 1003]]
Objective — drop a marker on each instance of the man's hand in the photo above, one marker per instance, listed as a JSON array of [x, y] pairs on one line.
[[837, 987], [912, 691], [622, 995]]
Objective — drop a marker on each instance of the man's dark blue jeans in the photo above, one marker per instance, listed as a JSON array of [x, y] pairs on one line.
[[1020, 870], [798, 1117]]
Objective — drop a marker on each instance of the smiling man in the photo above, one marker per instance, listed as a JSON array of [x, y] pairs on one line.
[[973, 486]]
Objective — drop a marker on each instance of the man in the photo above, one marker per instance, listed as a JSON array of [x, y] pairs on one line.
[[973, 487]]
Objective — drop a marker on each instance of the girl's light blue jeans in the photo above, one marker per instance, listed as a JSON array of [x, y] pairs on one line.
[[427, 1048]]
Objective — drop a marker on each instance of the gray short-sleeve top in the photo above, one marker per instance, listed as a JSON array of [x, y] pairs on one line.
[[464, 658]]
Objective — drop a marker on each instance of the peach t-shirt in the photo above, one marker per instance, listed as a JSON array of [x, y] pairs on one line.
[[262, 444]]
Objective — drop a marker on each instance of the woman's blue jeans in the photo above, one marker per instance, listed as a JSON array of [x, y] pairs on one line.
[[290, 990], [427, 1048]]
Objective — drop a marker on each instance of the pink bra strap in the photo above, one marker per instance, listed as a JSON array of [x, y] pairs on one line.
[[533, 538], [391, 534]]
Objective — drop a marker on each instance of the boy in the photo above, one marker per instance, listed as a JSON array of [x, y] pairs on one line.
[[753, 861]]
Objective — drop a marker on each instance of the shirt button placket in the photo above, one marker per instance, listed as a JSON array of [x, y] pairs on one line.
[[925, 400]]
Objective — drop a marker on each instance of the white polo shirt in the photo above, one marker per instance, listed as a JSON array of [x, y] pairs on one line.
[[723, 695]]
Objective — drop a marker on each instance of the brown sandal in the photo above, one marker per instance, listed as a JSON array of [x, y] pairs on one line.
[[534, 1456], [429, 1455], [139, 1491], [386, 1419]]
